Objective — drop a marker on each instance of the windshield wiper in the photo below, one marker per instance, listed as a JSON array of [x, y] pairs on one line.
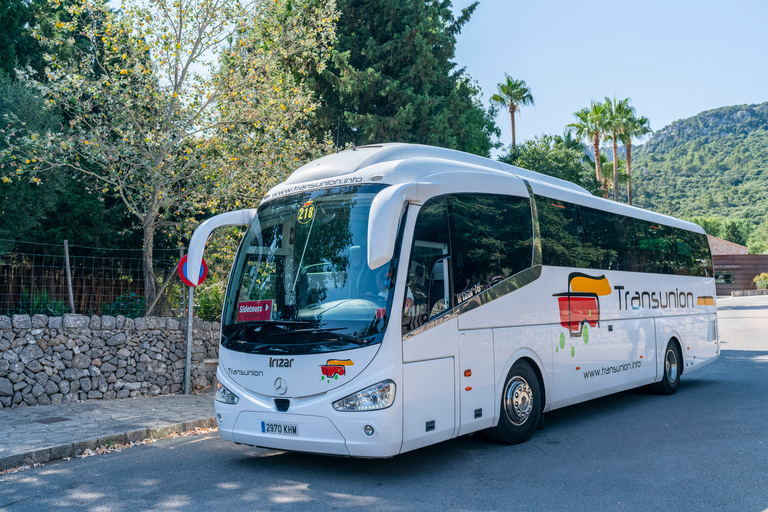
[[258, 323], [348, 337]]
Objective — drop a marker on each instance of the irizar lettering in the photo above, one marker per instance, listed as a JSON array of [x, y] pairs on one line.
[[277, 362], [654, 300]]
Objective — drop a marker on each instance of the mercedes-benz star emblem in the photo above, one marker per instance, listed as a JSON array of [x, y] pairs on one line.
[[281, 386]]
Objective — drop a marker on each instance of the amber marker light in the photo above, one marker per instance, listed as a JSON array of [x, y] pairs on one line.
[[641, 357], [467, 373], [578, 367], [468, 388]]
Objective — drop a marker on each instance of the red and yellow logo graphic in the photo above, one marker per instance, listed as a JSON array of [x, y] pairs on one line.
[[334, 367], [581, 304]]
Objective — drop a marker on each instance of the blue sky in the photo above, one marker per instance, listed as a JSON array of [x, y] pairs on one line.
[[673, 58]]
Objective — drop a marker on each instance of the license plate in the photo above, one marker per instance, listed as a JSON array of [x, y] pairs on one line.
[[289, 429]]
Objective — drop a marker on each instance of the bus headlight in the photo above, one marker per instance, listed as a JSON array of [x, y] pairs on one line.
[[224, 395], [379, 396]]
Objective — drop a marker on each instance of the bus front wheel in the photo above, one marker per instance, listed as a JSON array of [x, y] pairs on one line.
[[673, 366], [520, 406]]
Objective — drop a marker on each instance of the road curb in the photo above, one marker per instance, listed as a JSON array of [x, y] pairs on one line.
[[77, 448]]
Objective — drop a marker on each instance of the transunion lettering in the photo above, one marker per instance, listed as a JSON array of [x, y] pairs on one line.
[[252, 373], [318, 184], [654, 300]]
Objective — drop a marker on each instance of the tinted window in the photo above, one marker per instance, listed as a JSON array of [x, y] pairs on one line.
[[609, 240], [492, 239], [657, 247], [427, 291], [465, 243], [693, 255], [561, 233]]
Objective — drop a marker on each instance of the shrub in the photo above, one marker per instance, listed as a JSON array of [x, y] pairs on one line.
[[129, 304], [761, 281], [40, 303], [209, 301]]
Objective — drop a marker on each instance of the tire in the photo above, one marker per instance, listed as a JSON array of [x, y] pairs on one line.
[[520, 406], [673, 367]]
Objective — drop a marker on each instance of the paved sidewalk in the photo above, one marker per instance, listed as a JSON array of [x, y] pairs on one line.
[[48, 432]]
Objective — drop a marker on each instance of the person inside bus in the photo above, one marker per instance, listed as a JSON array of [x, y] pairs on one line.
[[384, 283]]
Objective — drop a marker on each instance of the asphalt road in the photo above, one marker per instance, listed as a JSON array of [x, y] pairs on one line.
[[705, 448]]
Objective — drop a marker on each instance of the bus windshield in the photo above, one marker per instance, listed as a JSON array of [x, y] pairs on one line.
[[300, 282]]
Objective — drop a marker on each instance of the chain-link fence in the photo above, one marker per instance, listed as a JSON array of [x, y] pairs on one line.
[[36, 283]]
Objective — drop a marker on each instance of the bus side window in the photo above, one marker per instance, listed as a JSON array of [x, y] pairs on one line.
[[491, 239], [610, 240], [656, 246], [562, 236], [427, 286]]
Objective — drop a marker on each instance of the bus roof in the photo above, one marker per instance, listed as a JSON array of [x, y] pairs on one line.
[[396, 163]]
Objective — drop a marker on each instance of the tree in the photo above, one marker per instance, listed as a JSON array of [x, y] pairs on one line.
[[634, 127], [392, 79], [177, 108], [615, 121], [548, 155], [569, 142], [512, 94], [590, 127]]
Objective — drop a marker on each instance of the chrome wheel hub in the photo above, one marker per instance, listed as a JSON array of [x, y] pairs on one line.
[[518, 401], [670, 365]]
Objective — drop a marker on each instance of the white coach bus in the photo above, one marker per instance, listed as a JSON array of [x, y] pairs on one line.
[[394, 296]]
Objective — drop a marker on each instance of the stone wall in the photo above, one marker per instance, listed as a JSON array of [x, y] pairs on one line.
[[46, 360]]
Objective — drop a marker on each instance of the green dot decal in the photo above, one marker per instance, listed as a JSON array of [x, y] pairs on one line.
[[573, 351], [585, 335], [562, 340], [557, 349], [322, 378], [336, 376]]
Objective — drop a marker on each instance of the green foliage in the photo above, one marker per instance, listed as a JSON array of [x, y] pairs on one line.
[[761, 281], [391, 79], [34, 302], [512, 94], [209, 301], [164, 117], [714, 165], [129, 304], [549, 155], [17, 47]]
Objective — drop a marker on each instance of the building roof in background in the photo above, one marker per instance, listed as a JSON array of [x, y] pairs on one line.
[[719, 247]]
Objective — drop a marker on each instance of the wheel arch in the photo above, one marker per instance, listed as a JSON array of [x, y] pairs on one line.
[[539, 369]]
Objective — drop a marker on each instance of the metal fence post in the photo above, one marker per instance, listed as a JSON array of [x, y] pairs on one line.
[[190, 318], [69, 278]]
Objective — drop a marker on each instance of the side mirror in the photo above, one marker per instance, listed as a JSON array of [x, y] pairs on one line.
[[384, 218], [204, 230]]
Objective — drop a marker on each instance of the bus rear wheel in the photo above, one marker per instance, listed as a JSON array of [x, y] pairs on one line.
[[673, 367], [520, 406]]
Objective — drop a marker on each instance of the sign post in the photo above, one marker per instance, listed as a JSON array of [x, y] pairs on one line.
[[190, 316]]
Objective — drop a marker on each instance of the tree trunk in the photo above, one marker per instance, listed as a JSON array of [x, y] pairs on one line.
[[629, 174], [512, 115], [615, 168], [150, 283], [598, 168]]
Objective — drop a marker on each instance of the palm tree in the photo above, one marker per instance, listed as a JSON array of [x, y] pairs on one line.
[[590, 127], [635, 127], [513, 94], [569, 142], [615, 121]]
